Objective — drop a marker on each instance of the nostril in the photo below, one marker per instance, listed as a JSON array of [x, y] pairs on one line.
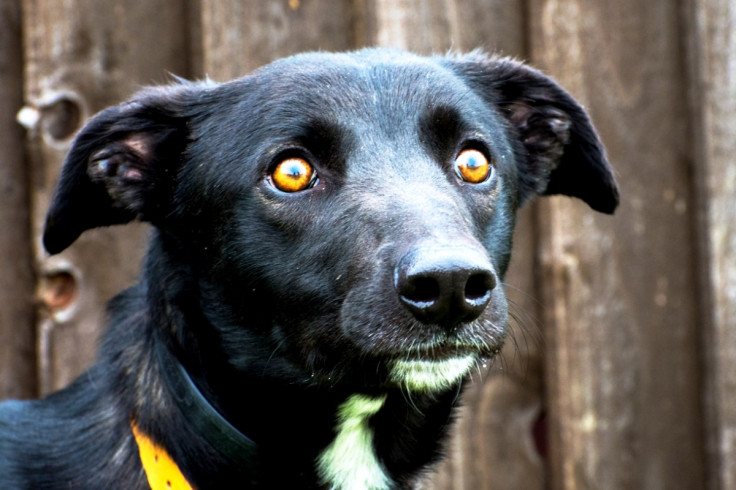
[[445, 285], [422, 290], [479, 286]]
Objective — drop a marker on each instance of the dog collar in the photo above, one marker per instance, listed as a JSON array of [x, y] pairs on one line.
[[203, 418], [161, 471]]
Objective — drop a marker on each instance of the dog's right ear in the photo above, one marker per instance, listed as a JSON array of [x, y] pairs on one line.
[[122, 166]]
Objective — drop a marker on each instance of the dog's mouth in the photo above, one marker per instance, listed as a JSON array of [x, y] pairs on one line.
[[417, 368], [436, 367], [440, 351], [430, 375]]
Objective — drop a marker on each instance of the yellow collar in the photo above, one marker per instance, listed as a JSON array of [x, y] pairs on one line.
[[161, 471]]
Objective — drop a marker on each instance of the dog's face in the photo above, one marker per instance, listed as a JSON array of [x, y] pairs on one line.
[[339, 218], [349, 209]]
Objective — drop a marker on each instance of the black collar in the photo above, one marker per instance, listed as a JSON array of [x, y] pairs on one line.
[[203, 417]]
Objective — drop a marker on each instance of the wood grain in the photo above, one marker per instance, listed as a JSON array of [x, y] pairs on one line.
[[17, 337], [622, 326], [712, 57], [240, 36]]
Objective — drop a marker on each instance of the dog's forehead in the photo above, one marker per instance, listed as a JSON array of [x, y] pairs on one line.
[[359, 84]]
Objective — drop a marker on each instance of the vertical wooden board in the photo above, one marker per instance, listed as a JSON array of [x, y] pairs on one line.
[[622, 334], [415, 25], [239, 36], [436, 26], [712, 59], [17, 338], [492, 446], [81, 56]]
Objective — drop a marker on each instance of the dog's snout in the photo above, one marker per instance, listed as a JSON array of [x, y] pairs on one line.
[[445, 285]]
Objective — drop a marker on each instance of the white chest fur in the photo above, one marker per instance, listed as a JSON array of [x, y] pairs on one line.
[[350, 462]]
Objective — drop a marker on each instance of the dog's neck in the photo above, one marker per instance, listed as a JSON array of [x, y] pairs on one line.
[[202, 416], [348, 462], [347, 444]]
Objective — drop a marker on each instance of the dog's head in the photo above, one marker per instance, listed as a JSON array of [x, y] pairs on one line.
[[338, 218]]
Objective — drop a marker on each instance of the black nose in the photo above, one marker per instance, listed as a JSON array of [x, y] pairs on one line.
[[445, 285]]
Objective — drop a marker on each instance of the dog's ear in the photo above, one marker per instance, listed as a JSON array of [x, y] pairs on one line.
[[121, 166], [561, 151]]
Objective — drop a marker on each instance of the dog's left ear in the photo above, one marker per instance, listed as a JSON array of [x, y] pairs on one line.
[[561, 151], [122, 166]]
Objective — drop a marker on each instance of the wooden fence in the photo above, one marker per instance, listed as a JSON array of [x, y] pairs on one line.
[[621, 373]]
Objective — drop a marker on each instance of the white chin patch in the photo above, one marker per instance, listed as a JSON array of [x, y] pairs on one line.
[[428, 376]]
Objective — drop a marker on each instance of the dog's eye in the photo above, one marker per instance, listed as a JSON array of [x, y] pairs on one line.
[[473, 166], [293, 175]]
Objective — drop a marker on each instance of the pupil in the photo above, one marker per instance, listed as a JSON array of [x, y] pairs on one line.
[[295, 171]]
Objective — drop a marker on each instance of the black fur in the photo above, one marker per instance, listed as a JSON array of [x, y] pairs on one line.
[[281, 306]]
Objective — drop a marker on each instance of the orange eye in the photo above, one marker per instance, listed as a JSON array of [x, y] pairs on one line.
[[293, 175], [473, 166]]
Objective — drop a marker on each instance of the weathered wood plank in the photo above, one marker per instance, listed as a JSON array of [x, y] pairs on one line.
[[240, 36], [712, 62], [436, 26], [622, 337], [17, 337], [81, 56]]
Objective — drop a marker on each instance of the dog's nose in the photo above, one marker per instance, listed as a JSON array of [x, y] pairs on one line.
[[445, 285]]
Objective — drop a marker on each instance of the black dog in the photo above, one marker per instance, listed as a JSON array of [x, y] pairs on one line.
[[331, 235]]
